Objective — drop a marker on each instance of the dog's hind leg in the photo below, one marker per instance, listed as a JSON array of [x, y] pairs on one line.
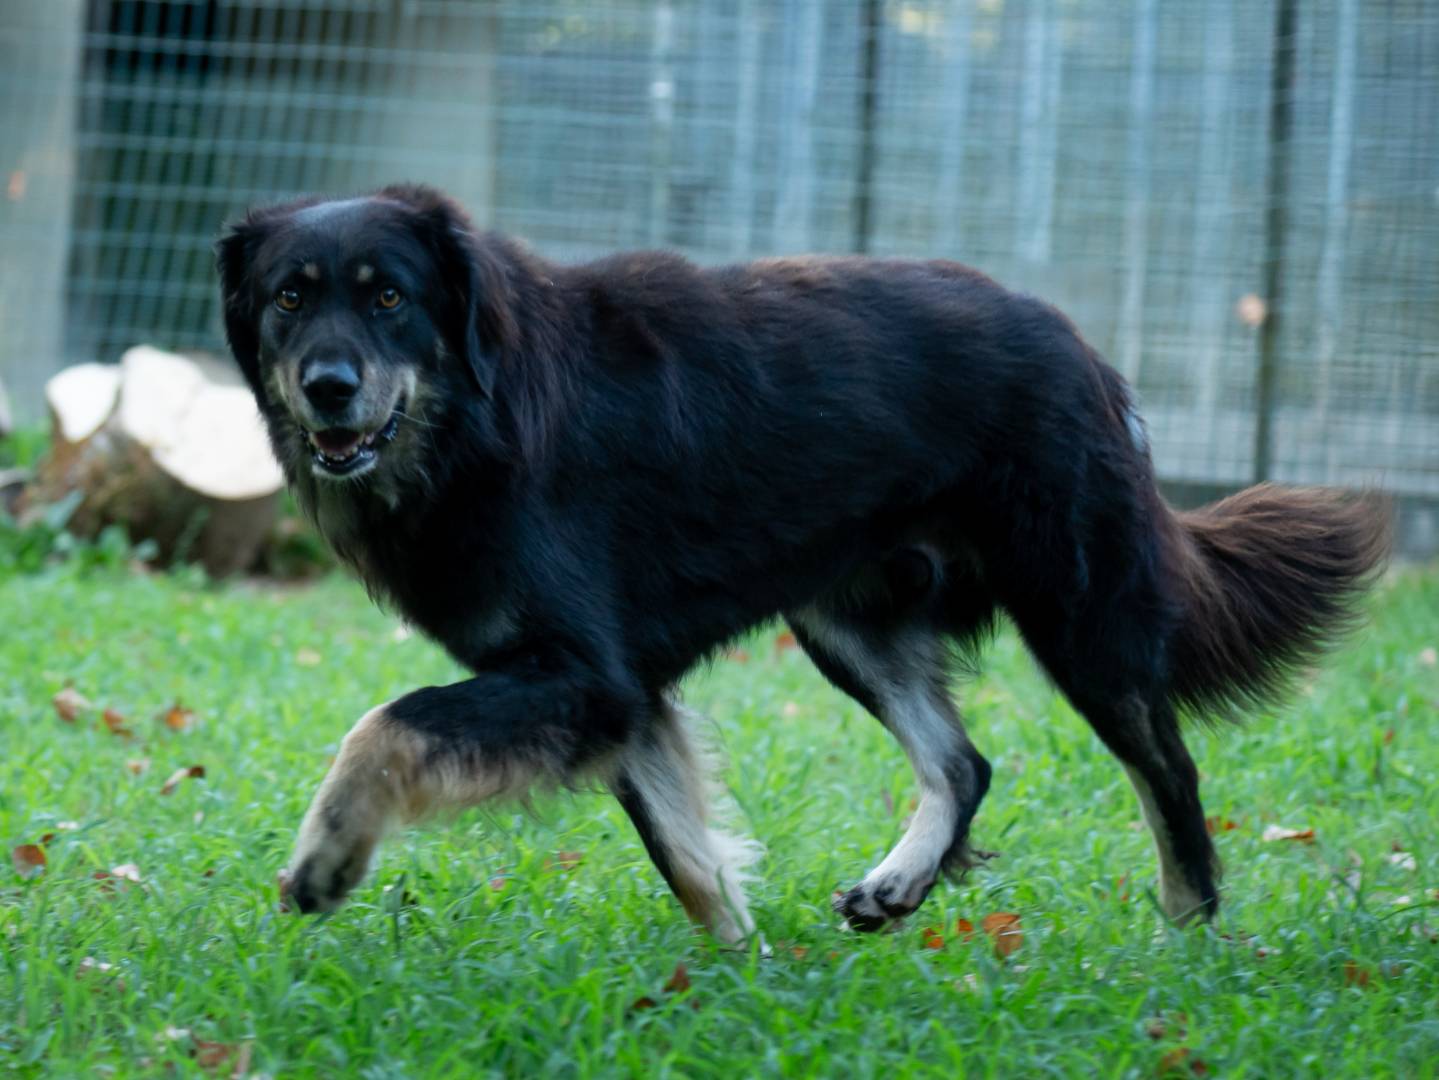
[[661, 782], [1147, 741], [896, 670], [1109, 679]]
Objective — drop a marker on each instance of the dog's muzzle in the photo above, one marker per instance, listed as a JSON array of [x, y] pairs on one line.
[[345, 451]]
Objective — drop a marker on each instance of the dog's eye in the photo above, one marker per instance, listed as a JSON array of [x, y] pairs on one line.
[[287, 300], [390, 298]]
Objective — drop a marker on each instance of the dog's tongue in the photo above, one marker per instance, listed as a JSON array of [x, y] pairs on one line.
[[337, 442]]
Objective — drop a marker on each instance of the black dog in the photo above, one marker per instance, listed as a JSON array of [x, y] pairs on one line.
[[582, 480]]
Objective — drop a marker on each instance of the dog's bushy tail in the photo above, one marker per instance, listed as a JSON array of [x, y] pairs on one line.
[[1270, 578]]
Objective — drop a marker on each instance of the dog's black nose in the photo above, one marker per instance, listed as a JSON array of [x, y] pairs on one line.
[[330, 384]]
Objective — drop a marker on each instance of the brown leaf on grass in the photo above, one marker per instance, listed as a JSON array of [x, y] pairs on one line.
[[115, 724], [215, 1057], [784, 641], [126, 872], [169, 786], [1279, 832], [70, 703], [107, 884], [178, 718], [1388, 737], [98, 975], [965, 929], [933, 939], [799, 952], [29, 860], [1214, 825], [565, 860], [1166, 1024], [679, 982], [497, 883], [1003, 927], [1181, 1062], [1356, 975], [138, 766], [739, 656]]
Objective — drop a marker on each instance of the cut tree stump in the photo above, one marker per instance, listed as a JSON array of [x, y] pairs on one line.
[[169, 446]]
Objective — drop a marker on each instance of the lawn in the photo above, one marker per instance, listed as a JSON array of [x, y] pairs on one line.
[[543, 943]]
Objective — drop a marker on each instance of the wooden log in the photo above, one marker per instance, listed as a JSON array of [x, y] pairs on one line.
[[169, 446]]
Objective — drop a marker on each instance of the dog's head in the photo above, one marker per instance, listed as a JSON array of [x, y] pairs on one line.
[[360, 322]]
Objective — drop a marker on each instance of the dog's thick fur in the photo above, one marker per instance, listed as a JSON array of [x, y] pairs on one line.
[[599, 474]]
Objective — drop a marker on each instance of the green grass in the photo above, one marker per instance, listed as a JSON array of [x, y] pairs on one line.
[[432, 970]]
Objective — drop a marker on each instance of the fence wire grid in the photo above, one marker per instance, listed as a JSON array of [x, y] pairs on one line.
[[1237, 202]]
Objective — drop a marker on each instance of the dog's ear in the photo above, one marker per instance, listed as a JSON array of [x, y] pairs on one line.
[[486, 304], [234, 257], [479, 283]]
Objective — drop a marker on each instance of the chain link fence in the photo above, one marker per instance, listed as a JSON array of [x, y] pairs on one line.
[[1237, 202]]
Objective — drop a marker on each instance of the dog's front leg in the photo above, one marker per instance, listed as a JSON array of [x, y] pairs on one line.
[[445, 747]]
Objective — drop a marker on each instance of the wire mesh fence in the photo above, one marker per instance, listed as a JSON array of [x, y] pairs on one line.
[[1238, 203]]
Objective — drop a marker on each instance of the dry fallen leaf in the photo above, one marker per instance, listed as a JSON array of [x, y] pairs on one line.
[[70, 703], [115, 722], [1003, 927], [1355, 975], [739, 656], [565, 860], [1279, 832], [1176, 1060], [679, 981], [99, 974], [969, 984], [138, 766], [933, 939], [784, 641], [799, 952], [29, 860], [126, 872], [1214, 825], [1166, 1024], [215, 1056], [643, 1003], [178, 718], [168, 788], [965, 929]]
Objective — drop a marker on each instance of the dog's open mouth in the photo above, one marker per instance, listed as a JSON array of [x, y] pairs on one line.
[[342, 451]]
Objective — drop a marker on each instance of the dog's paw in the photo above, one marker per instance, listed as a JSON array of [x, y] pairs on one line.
[[873, 903], [324, 869]]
